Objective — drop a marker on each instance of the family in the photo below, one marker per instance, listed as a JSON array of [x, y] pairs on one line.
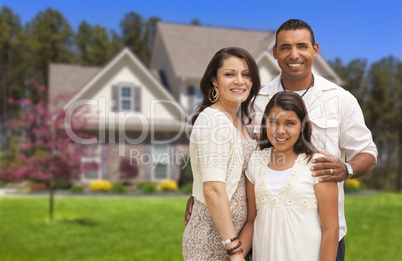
[[269, 163]]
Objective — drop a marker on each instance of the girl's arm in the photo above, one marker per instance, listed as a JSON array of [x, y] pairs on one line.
[[327, 196], [218, 205], [246, 235]]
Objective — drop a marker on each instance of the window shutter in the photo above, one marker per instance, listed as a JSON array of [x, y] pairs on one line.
[[137, 98], [115, 98]]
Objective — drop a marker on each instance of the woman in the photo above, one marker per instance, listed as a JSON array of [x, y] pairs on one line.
[[295, 217], [220, 147]]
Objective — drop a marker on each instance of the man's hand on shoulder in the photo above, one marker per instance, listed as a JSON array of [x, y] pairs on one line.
[[329, 166]]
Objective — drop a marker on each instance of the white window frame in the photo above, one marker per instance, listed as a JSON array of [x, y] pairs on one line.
[[155, 157], [96, 157], [123, 98]]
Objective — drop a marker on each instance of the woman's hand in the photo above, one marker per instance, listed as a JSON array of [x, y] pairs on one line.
[[238, 257], [189, 209]]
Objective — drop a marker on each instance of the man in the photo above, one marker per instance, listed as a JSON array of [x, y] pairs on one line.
[[339, 130]]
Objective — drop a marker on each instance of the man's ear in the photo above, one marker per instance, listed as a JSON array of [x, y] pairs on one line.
[[274, 51], [316, 48]]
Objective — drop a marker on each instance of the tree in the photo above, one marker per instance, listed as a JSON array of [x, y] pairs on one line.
[[116, 44], [48, 153], [12, 68], [132, 34], [379, 92], [93, 45], [149, 35], [383, 118], [354, 77], [195, 22], [50, 39], [138, 35]]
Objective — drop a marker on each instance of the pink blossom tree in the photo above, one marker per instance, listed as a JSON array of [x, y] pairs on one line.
[[47, 152]]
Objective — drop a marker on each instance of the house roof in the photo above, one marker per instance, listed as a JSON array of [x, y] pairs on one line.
[[124, 53], [190, 47], [66, 80]]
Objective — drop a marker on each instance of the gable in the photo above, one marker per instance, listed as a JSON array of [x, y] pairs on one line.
[[126, 70]]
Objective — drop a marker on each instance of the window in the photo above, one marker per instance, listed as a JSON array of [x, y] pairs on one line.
[[198, 96], [91, 163], [194, 97], [161, 162], [126, 98]]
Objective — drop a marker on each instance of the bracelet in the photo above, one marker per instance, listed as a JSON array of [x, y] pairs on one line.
[[228, 241], [235, 252], [234, 248]]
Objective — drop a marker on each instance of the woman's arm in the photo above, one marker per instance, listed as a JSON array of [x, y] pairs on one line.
[[246, 235], [218, 205], [327, 196]]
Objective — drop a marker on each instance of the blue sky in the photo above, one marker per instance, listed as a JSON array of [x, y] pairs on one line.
[[345, 29]]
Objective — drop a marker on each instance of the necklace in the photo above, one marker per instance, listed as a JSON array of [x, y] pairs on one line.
[[311, 83]]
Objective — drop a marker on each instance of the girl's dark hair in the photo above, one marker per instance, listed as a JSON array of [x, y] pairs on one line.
[[246, 110], [290, 101]]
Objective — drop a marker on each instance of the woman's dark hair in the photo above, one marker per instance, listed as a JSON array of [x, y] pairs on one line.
[[246, 110], [289, 101]]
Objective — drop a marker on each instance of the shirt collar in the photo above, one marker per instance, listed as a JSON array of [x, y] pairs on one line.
[[320, 85]]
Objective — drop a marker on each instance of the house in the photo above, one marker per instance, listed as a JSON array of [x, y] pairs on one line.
[[141, 114]]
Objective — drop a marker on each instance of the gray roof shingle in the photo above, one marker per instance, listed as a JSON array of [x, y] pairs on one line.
[[191, 47], [66, 80]]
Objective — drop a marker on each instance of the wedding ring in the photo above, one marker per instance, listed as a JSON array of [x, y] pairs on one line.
[[332, 172]]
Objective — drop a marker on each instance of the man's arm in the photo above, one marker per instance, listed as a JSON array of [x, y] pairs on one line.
[[361, 164]]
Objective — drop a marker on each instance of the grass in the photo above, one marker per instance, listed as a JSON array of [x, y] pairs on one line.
[[374, 227], [129, 228], [91, 229]]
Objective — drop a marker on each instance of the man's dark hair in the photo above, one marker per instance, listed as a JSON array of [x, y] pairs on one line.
[[295, 24]]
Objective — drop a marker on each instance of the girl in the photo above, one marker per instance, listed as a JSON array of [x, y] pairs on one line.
[[294, 217]]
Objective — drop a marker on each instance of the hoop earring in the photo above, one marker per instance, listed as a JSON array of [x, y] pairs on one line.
[[214, 92]]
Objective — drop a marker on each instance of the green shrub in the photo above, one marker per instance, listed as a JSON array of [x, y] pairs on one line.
[[187, 189], [147, 187], [77, 189], [118, 188], [186, 174]]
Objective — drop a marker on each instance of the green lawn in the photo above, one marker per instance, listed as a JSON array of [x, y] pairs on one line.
[[128, 228]]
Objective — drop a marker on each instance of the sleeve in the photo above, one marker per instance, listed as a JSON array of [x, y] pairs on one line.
[[315, 179], [355, 137], [212, 148], [251, 167]]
